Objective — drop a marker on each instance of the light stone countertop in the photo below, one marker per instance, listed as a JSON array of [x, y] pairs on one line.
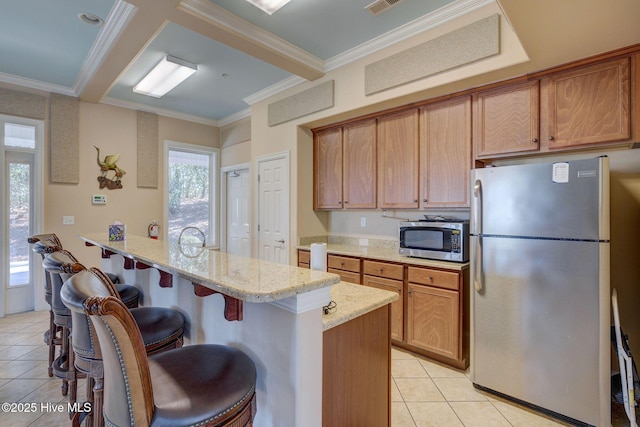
[[387, 254], [354, 301], [247, 279]]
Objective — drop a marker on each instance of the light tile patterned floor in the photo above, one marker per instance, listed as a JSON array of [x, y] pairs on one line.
[[424, 393]]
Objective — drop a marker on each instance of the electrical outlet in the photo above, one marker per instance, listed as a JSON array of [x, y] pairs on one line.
[[363, 221], [363, 242], [68, 220]]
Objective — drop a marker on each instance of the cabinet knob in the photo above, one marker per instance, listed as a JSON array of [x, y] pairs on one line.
[[431, 278], [534, 140], [381, 270], [415, 201], [346, 201], [399, 291], [424, 200], [410, 292], [551, 138]]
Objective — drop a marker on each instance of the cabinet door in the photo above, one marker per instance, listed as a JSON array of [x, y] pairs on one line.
[[507, 120], [327, 169], [433, 319], [397, 307], [589, 105], [445, 153], [398, 160], [360, 165]]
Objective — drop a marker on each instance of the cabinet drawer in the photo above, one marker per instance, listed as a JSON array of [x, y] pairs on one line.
[[344, 263], [304, 257], [383, 269], [346, 276], [437, 278]]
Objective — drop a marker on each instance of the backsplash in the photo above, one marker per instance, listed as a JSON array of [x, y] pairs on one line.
[[350, 240]]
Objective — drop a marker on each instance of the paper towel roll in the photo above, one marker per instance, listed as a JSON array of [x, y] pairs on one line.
[[318, 256]]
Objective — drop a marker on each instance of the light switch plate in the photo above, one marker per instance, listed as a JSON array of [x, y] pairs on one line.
[[68, 220]]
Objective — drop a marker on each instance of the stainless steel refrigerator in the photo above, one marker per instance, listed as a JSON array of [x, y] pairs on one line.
[[540, 326]]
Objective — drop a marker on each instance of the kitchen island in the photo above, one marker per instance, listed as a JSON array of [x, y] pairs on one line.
[[274, 313]]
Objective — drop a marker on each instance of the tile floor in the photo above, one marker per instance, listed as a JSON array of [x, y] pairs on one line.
[[423, 393]]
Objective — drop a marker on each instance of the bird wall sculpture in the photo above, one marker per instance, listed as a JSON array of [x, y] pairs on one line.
[[106, 165]]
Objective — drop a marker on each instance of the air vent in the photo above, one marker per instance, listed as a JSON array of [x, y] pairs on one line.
[[380, 6]]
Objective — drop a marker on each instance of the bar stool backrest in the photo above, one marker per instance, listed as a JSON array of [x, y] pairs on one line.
[[128, 399]]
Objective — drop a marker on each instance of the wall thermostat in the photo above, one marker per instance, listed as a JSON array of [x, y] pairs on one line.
[[99, 199]]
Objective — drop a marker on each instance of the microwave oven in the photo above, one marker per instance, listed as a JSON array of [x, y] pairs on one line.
[[442, 240]]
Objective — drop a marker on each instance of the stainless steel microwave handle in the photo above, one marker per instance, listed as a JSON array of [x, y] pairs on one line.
[[477, 232]]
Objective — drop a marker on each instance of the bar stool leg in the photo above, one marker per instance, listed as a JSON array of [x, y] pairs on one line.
[[90, 384], [64, 357], [53, 334], [98, 396]]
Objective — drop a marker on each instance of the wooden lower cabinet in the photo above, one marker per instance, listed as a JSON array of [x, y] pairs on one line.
[[431, 315], [356, 372], [433, 318], [397, 307], [304, 258]]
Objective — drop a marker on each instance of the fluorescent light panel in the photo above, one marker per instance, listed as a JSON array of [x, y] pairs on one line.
[[165, 76], [269, 6]]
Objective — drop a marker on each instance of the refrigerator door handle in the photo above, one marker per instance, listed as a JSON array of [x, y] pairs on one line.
[[477, 208], [477, 279], [477, 231]]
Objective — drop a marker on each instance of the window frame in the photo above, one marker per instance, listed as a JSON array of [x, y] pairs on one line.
[[213, 240]]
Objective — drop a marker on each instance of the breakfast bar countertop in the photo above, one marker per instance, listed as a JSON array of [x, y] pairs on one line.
[[247, 279], [353, 301]]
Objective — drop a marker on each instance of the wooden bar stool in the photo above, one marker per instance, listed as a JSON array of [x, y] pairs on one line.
[[52, 337], [56, 335], [162, 329], [211, 385]]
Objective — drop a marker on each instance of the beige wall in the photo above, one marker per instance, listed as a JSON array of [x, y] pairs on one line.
[[114, 131]]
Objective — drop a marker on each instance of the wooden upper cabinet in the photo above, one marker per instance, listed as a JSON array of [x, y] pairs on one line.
[[360, 184], [445, 153], [398, 160], [589, 105], [327, 169], [507, 120]]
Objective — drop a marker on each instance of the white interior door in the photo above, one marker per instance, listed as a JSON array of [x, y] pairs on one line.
[[273, 208], [238, 213]]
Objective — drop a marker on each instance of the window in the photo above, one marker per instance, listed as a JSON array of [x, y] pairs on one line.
[[191, 191]]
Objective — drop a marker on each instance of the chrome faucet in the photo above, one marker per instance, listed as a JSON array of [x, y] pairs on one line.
[[193, 228]]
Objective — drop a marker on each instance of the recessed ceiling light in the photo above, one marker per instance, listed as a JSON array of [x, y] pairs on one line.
[[269, 6], [91, 19]]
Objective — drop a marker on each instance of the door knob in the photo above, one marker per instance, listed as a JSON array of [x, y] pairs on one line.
[[281, 241]]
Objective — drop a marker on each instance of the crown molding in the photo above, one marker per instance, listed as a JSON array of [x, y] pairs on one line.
[[274, 89], [432, 20], [119, 17], [36, 84], [160, 111], [232, 118]]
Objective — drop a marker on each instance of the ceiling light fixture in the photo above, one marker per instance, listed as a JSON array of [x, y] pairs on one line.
[[165, 76], [269, 6], [90, 18]]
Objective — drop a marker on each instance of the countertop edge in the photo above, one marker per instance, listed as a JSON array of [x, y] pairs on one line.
[[353, 301], [388, 255]]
